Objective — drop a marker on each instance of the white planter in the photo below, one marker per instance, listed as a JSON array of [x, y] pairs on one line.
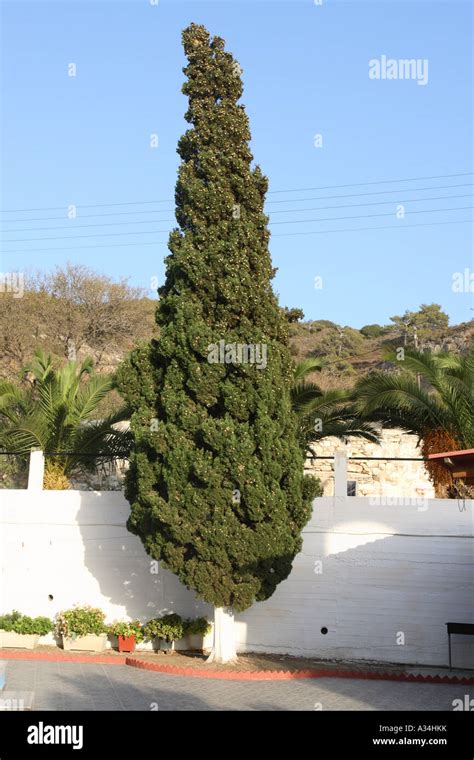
[[167, 646], [182, 645], [89, 643], [155, 644], [18, 640], [201, 643], [196, 641]]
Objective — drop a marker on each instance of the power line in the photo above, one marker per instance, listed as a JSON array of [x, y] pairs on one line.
[[378, 192], [294, 190], [103, 224], [380, 182], [99, 457], [76, 205], [88, 216], [379, 459], [293, 221], [362, 229], [370, 203], [368, 216], [283, 211], [341, 359], [83, 247], [283, 234], [126, 456], [78, 237], [287, 200]]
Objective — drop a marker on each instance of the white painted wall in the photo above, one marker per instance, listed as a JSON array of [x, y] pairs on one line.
[[386, 569], [74, 546]]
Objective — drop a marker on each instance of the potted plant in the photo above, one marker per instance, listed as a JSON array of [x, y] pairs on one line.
[[196, 630], [167, 629], [150, 632], [128, 634], [21, 631], [82, 628]]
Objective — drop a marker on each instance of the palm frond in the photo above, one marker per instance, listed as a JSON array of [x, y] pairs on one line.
[[307, 366]]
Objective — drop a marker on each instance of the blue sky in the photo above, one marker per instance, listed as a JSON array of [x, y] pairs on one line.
[[85, 140]]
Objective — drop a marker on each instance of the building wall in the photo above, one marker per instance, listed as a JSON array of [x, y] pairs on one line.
[[382, 576], [375, 478], [370, 570], [75, 547]]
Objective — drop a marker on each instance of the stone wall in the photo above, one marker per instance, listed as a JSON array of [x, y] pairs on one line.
[[375, 478]]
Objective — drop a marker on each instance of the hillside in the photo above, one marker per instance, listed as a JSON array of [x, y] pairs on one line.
[[350, 353], [75, 312]]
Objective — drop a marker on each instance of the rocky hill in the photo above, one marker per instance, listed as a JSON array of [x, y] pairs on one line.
[[351, 353], [75, 312]]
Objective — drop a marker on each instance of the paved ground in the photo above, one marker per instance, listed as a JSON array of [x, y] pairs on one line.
[[72, 686]]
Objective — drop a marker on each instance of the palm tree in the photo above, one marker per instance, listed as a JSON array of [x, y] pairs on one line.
[[325, 413], [55, 411], [432, 396]]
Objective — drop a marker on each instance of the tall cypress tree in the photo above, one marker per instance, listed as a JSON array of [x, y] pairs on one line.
[[216, 480]]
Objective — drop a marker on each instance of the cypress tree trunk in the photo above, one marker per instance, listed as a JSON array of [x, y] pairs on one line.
[[216, 480], [223, 650]]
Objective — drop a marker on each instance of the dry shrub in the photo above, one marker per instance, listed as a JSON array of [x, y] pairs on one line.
[[435, 442], [54, 478]]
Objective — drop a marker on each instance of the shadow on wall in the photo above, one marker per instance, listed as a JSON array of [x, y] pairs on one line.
[[134, 584], [379, 596], [380, 599]]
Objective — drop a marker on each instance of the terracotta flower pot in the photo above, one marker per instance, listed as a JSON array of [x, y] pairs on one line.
[[126, 643]]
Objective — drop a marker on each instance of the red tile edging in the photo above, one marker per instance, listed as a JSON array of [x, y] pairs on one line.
[[228, 675], [288, 675]]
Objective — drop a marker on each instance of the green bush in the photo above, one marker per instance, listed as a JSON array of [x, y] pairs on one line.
[[79, 621], [373, 331], [316, 487], [18, 623], [151, 629], [169, 628], [198, 626], [127, 629], [13, 472], [318, 324]]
